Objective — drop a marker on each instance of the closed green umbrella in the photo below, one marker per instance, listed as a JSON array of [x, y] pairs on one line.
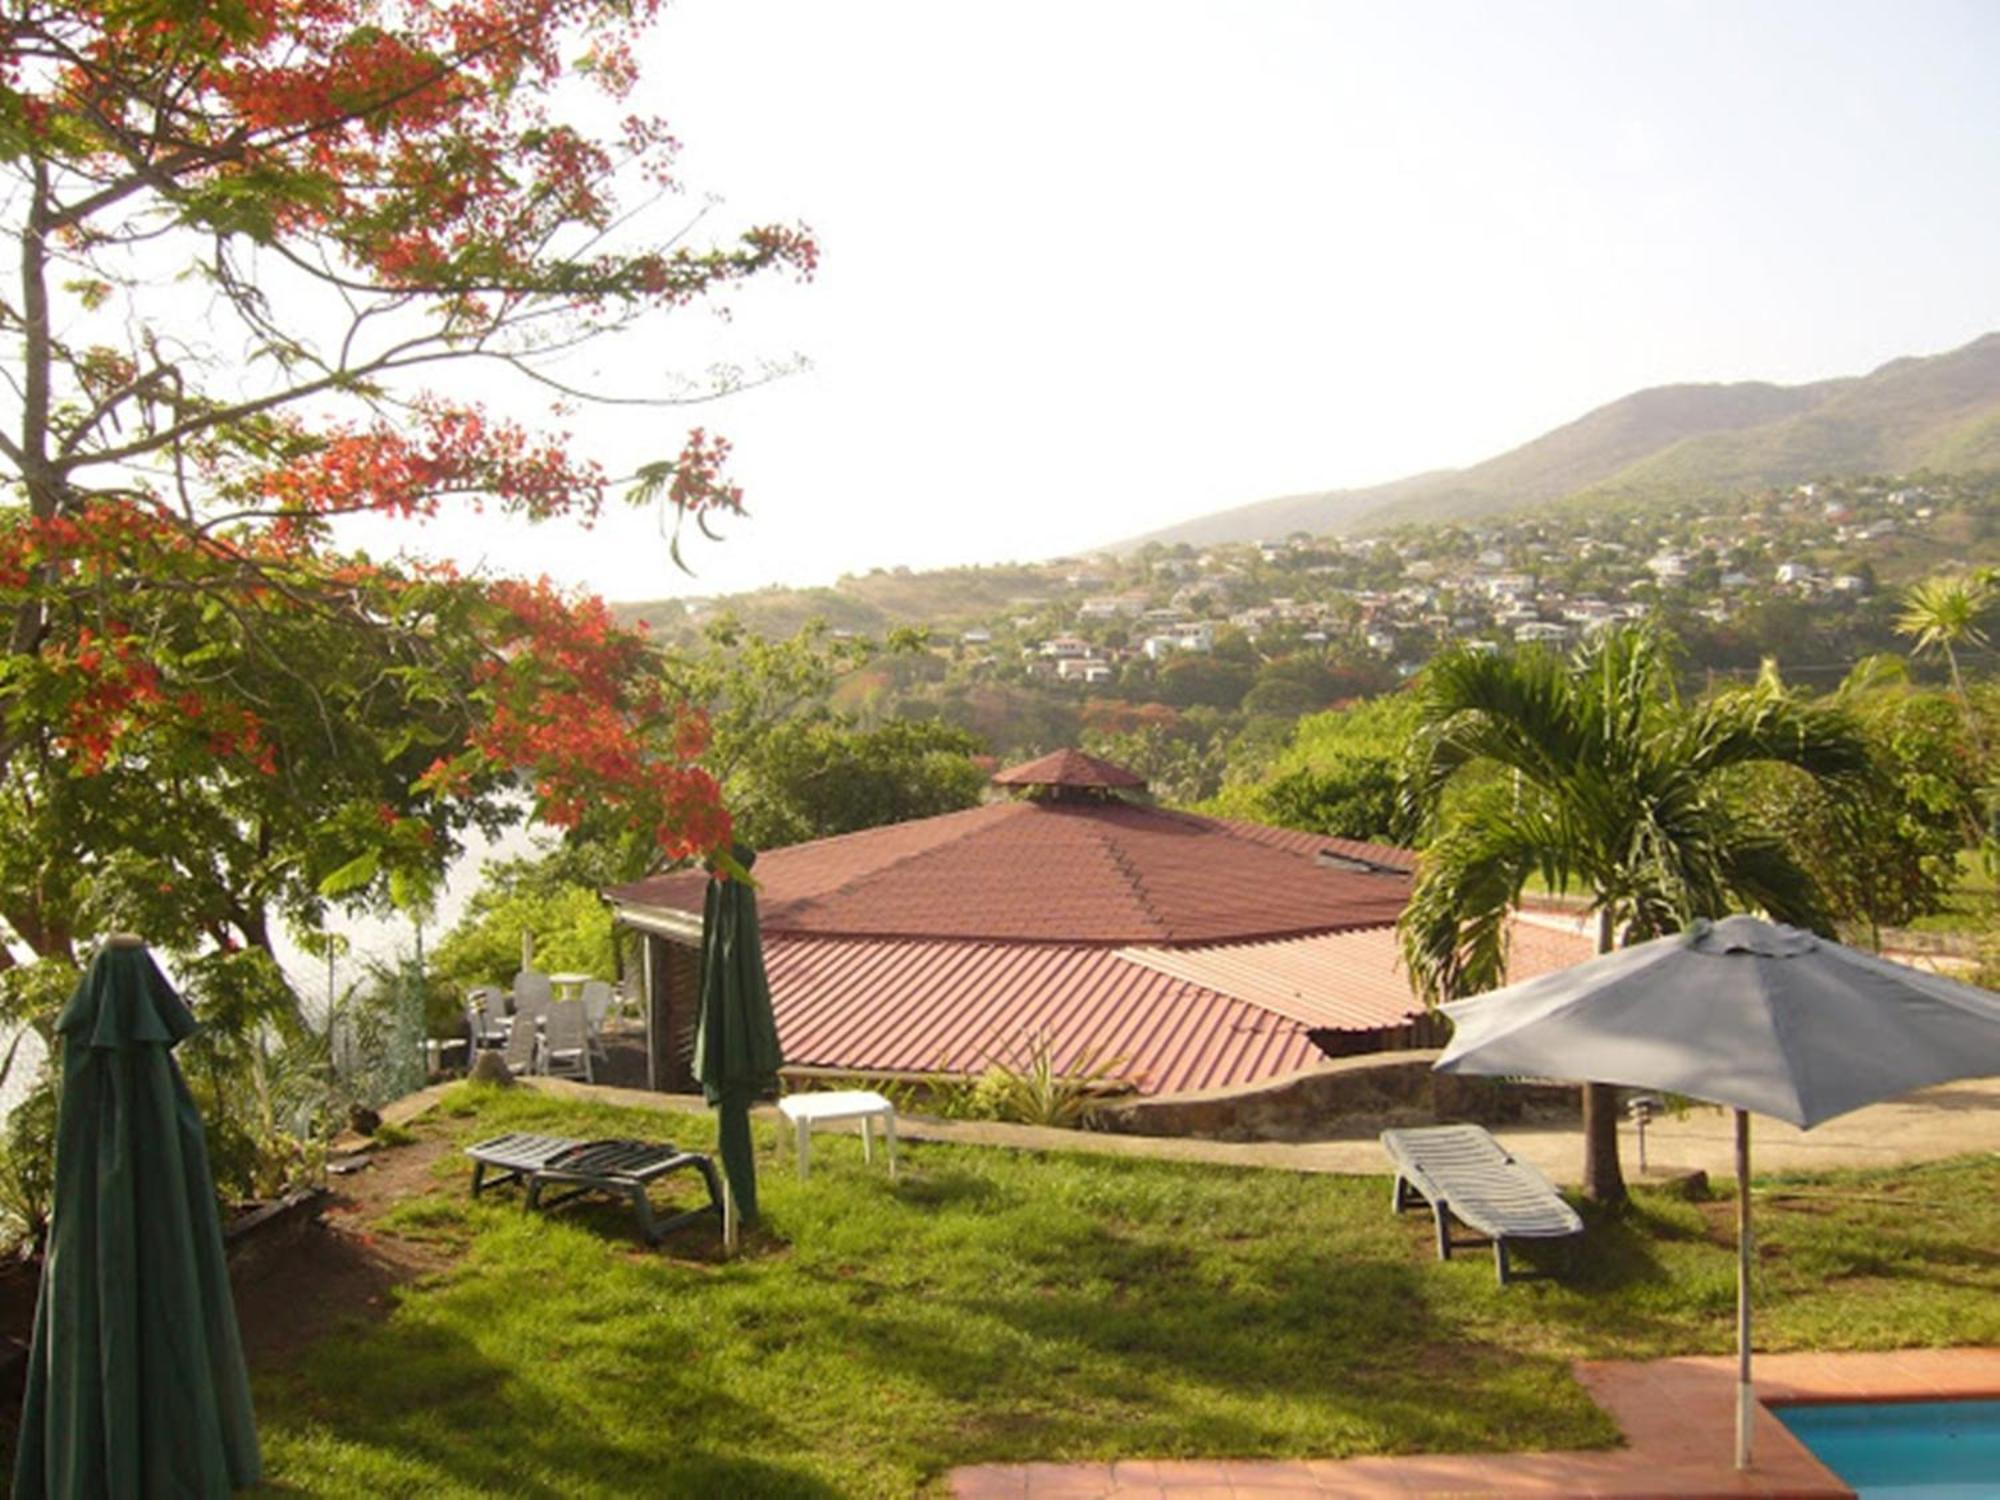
[[736, 1054], [136, 1383]]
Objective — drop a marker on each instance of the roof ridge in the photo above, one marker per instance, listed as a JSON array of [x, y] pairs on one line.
[[1133, 879], [1265, 834]]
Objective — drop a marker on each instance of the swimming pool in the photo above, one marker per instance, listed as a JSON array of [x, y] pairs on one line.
[[1905, 1450]]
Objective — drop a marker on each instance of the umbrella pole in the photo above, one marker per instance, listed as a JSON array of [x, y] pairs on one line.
[[1746, 1395]]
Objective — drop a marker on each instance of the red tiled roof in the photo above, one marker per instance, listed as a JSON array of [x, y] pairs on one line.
[[1068, 768], [1061, 872], [1341, 981], [956, 1007], [1174, 1019]]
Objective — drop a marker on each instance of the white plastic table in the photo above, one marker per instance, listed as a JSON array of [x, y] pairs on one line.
[[807, 1110]]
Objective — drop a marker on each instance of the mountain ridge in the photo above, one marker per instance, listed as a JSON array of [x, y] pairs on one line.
[[1939, 412]]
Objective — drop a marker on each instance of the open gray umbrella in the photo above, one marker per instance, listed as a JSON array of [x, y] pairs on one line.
[[1743, 1013], [136, 1383], [736, 1053]]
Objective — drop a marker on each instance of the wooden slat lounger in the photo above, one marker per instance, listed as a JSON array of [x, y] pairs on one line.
[[620, 1168], [1463, 1173]]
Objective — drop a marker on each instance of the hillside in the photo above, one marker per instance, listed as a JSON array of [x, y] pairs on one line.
[[1939, 413], [867, 604]]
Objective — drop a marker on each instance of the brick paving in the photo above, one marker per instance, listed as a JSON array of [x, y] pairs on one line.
[[1677, 1417]]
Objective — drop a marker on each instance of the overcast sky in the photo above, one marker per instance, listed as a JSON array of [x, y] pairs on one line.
[[1092, 267]]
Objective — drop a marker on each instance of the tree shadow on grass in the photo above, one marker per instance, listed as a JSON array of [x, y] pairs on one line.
[[1139, 1348], [946, 1188], [611, 1216], [417, 1407]]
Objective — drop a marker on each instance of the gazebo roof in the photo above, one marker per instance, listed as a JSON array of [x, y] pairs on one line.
[[1070, 768], [1199, 953], [1092, 872]]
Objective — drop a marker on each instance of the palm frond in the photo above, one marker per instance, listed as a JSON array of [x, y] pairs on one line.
[[1757, 724], [1943, 612], [1515, 710], [1625, 683], [1761, 872], [1454, 928]]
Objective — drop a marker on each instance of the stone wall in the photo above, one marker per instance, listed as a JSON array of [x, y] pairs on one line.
[[1349, 1096]]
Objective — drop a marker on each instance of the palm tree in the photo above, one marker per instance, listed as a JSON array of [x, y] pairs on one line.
[[1943, 614], [1593, 774]]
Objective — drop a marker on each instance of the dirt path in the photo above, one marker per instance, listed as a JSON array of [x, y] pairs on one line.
[[1949, 1120], [342, 1271]]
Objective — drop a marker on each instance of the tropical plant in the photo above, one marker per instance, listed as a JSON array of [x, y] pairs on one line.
[[1945, 614], [1592, 774], [814, 778], [1182, 764], [793, 765], [28, 1164], [568, 921], [1023, 1084], [1885, 848], [1337, 776]]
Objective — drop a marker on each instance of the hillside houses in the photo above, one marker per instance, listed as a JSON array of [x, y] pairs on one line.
[[1516, 582], [1787, 572]]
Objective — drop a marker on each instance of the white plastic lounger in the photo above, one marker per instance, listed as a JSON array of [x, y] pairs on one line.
[[1463, 1173]]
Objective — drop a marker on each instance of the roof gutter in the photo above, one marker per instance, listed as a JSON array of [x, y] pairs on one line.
[[661, 921]]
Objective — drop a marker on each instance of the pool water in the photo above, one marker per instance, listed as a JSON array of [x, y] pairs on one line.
[[1905, 1450]]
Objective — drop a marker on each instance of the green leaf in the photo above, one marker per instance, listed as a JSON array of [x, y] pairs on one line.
[[353, 875]]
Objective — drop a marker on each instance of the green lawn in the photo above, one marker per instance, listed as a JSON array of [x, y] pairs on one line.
[[1970, 908], [995, 1306]]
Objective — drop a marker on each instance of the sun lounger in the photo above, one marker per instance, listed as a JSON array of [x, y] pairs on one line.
[[620, 1168], [1463, 1173]]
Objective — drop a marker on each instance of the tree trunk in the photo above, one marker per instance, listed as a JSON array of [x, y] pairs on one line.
[[1603, 1176]]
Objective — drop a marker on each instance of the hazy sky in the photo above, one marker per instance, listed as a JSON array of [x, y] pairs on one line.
[[1092, 267]]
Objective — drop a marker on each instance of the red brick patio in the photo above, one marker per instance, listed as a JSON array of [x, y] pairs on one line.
[[1677, 1416]]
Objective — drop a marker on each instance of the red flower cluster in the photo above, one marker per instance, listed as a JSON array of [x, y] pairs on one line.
[[576, 705], [406, 155], [457, 450]]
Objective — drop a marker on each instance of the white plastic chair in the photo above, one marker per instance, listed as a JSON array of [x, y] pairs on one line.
[[566, 1042], [596, 1006], [533, 994], [523, 1046]]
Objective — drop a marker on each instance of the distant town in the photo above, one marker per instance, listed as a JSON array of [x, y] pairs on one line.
[[1804, 575]]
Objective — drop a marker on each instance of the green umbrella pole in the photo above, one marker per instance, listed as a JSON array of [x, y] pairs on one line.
[[739, 1162]]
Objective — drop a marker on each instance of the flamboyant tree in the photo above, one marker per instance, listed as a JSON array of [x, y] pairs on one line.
[[262, 245]]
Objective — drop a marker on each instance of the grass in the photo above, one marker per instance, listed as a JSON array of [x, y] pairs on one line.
[[1970, 909], [994, 1306]]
